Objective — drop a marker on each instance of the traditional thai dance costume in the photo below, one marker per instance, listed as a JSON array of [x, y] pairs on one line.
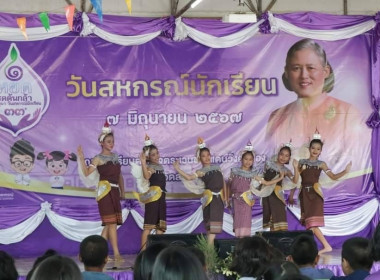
[[239, 183], [155, 205], [311, 196], [108, 192], [274, 205], [212, 203]]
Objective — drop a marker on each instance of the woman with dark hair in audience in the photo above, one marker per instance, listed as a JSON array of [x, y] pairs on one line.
[[7, 267], [279, 268], [48, 253], [375, 252], [142, 269], [251, 258], [177, 263], [57, 268]]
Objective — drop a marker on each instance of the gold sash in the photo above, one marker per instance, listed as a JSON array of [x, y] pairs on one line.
[[280, 196], [318, 189], [248, 198], [153, 194], [207, 197], [104, 187]]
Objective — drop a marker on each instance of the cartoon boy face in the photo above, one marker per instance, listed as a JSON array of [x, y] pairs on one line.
[[56, 167], [22, 164]]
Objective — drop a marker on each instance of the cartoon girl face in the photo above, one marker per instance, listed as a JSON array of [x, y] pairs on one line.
[[56, 167], [22, 164]]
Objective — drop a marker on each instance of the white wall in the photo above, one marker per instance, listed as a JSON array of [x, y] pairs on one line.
[[208, 8]]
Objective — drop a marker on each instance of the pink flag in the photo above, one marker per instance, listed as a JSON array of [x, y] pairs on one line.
[[70, 15]]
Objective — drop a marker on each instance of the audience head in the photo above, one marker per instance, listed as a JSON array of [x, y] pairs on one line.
[[177, 263], [280, 268], [294, 277], [48, 253], [57, 268], [145, 260], [7, 267], [251, 257], [304, 250], [93, 251], [356, 255], [276, 254], [375, 244], [200, 255]]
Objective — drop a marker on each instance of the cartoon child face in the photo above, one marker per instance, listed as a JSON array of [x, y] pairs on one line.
[[56, 167], [306, 74], [22, 164]]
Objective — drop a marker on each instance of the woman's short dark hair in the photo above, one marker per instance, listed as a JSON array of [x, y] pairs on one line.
[[145, 260], [7, 267], [251, 257], [177, 263], [57, 268], [375, 244]]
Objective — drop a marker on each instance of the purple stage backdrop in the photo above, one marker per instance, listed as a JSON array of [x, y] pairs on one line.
[[57, 93]]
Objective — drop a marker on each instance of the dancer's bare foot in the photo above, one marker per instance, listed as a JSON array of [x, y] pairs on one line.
[[119, 258], [325, 250]]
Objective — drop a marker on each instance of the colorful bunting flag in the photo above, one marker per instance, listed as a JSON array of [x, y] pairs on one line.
[[129, 5], [44, 18], [21, 22], [70, 9], [98, 8]]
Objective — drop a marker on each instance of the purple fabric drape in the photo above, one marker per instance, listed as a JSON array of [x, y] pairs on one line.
[[374, 120], [344, 204], [178, 210], [131, 26], [319, 21]]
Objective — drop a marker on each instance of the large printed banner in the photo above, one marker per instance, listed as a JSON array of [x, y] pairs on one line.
[[56, 94]]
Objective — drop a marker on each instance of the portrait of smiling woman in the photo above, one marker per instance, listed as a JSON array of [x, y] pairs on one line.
[[310, 76]]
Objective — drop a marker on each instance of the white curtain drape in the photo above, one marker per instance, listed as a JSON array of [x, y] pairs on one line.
[[347, 223], [90, 28], [278, 24], [34, 33], [182, 31], [335, 225]]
